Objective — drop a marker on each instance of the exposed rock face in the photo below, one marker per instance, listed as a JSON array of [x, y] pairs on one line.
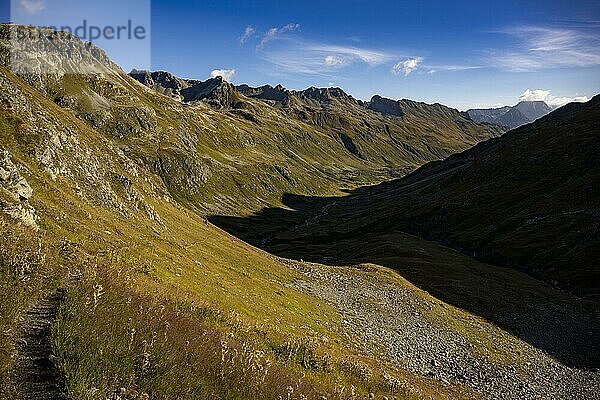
[[488, 115], [511, 117], [385, 106], [16, 186], [11, 178], [214, 91], [280, 96], [533, 110], [276, 95], [325, 96], [54, 62], [163, 82], [38, 54]]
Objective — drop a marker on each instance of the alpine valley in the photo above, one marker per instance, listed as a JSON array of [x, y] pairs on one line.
[[170, 238]]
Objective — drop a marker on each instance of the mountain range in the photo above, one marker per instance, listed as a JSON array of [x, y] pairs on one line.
[[175, 238], [490, 202], [523, 113], [220, 93]]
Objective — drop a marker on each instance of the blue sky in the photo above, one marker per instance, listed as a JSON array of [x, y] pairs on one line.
[[467, 54]]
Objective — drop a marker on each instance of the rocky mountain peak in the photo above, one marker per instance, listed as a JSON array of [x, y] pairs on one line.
[[533, 110], [385, 106], [216, 91], [325, 95], [161, 81], [512, 117], [32, 51], [273, 95]]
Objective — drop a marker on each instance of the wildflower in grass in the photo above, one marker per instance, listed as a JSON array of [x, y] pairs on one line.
[[268, 364], [145, 357], [98, 292], [224, 352], [131, 337]]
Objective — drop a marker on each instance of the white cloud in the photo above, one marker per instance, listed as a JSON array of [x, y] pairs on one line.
[[556, 102], [541, 47], [350, 54], [319, 59], [516, 62], [432, 69], [334, 61], [248, 33], [32, 6], [534, 95], [407, 66], [226, 74], [274, 33], [544, 95]]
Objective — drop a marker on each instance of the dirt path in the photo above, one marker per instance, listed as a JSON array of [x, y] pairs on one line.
[[34, 373]]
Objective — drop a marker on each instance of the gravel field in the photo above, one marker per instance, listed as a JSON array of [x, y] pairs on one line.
[[396, 319]]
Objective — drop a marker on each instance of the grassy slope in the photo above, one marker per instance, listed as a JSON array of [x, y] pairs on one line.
[[489, 201], [236, 161], [527, 200], [185, 310]]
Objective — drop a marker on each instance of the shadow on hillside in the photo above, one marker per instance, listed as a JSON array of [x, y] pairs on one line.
[[564, 327]]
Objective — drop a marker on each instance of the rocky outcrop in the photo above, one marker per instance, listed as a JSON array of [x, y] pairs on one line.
[[214, 91], [385, 106], [42, 55], [11, 178], [325, 96], [161, 81], [277, 95], [17, 191]]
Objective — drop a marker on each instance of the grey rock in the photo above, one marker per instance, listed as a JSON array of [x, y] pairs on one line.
[[393, 317], [511, 117]]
